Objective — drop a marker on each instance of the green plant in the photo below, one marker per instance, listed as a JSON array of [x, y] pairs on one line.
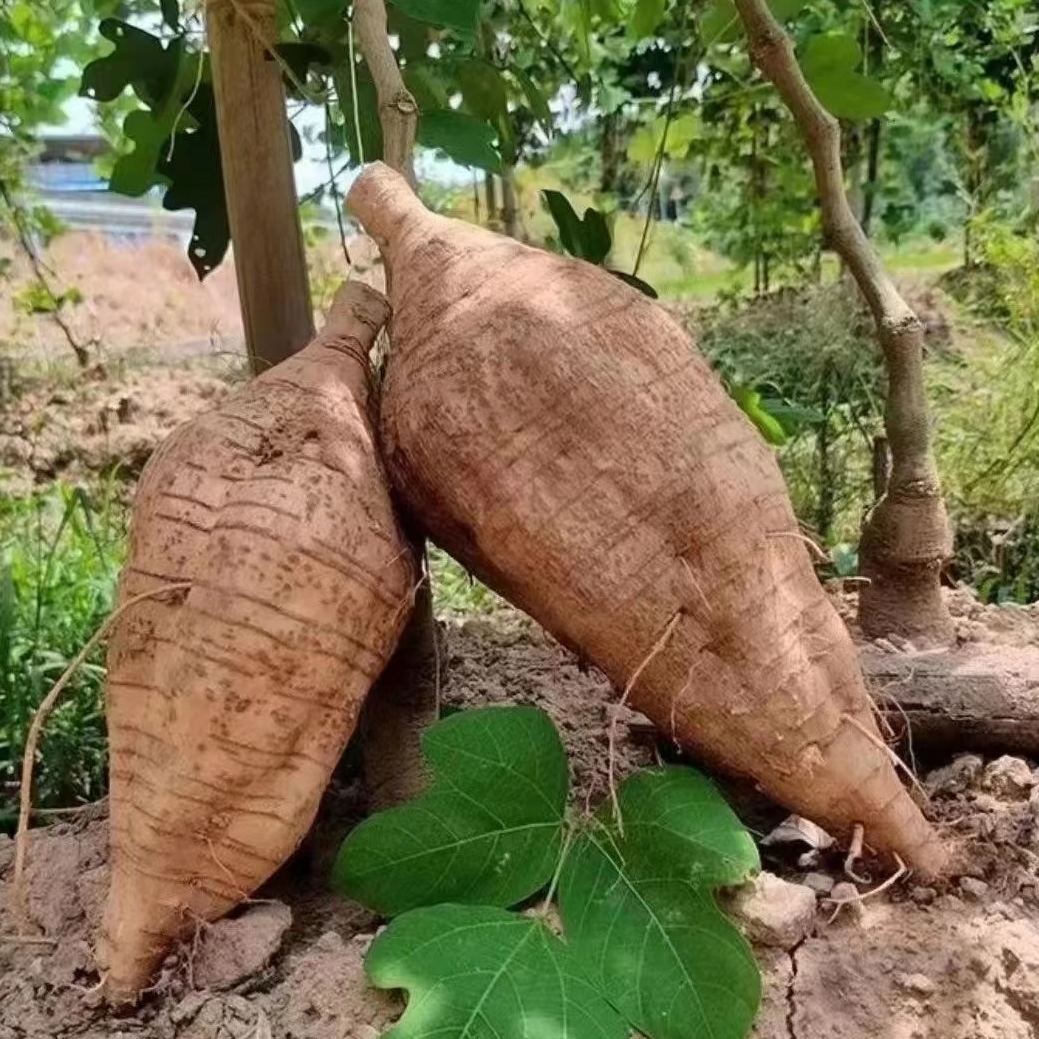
[[643, 944], [455, 591], [808, 356], [60, 552]]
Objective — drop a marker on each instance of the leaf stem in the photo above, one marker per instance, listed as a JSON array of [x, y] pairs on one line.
[[568, 840]]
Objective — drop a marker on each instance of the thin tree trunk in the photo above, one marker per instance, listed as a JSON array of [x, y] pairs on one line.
[[510, 213], [403, 703], [256, 158], [609, 153], [907, 538], [827, 498], [490, 195]]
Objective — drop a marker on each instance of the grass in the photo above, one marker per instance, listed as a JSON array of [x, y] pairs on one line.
[[60, 552], [456, 593]]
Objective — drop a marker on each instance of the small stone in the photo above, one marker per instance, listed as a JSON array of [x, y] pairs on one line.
[[1009, 778], [846, 897], [923, 896], [972, 889], [918, 984], [774, 912], [820, 883], [187, 1009], [955, 777], [886, 645], [233, 950]]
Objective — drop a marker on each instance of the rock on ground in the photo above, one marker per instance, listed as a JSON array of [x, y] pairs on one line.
[[773, 912]]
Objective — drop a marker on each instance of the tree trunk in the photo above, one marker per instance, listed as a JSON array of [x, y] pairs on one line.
[[906, 539], [510, 213], [401, 706], [490, 200], [403, 702], [827, 504], [256, 157]]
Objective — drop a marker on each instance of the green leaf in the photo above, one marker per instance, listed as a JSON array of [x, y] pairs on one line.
[[136, 172], [568, 223], [639, 914], [461, 137], [648, 14], [474, 972], [171, 13], [448, 14], [830, 62], [536, 100], [427, 88], [139, 60], [196, 182], [484, 91], [320, 12], [488, 829], [750, 404], [596, 237]]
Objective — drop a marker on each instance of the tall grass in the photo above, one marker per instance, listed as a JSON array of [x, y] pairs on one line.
[[60, 552]]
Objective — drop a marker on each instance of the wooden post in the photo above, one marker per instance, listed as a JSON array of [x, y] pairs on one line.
[[258, 180]]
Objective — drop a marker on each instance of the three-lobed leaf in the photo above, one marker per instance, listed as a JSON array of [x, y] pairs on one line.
[[476, 972], [489, 829], [639, 913]]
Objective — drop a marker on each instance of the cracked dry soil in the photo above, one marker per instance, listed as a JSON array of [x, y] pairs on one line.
[[958, 961]]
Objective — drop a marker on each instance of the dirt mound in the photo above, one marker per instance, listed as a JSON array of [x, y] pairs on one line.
[[956, 961], [69, 428]]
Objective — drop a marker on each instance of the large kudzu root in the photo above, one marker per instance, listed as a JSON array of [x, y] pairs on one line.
[[558, 433], [229, 705]]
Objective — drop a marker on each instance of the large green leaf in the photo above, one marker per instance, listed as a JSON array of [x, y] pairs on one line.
[[488, 830], [150, 130], [536, 100], [484, 91], [139, 60], [461, 137], [648, 14], [449, 14], [587, 238], [475, 972], [639, 914], [196, 182], [830, 62]]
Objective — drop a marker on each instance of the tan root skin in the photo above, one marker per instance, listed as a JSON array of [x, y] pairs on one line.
[[560, 435], [229, 706]]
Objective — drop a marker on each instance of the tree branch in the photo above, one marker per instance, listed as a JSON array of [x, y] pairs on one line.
[[25, 241], [899, 329], [398, 112]]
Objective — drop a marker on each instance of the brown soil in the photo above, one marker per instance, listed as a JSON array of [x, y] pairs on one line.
[[960, 961]]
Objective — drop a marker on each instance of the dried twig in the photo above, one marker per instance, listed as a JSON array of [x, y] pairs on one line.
[[858, 836], [36, 728], [891, 881]]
